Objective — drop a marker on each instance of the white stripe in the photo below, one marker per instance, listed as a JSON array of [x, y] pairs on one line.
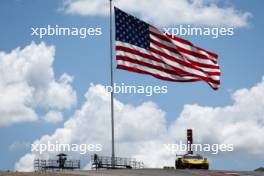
[[142, 50]]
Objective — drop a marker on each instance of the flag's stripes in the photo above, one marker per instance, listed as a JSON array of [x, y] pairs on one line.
[[157, 56], [199, 62], [161, 75], [123, 60], [177, 63], [151, 60], [168, 53], [150, 68], [184, 46], [136, 59], [150, 71]]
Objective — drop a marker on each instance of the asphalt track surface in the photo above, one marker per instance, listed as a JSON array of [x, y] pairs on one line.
[[161, 172], [138, 172]]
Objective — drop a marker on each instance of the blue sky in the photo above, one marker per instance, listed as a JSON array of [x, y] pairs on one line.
[[87, 60]]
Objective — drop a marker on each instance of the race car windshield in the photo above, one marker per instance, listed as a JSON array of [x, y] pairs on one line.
[[193, 157]]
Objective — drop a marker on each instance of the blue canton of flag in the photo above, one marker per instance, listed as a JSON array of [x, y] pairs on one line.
[[131, 30]]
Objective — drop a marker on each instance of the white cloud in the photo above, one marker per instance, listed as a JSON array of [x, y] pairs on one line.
[[169, 12], [26, 163], [53, 117], [27, 81], [60, 94], [14, 109], [135, 126], [240, 123], [141, 130]]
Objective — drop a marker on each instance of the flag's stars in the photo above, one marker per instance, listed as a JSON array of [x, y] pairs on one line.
[[131, 30]]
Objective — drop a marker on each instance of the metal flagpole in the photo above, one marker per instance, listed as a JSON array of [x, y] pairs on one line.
[[112, 85]]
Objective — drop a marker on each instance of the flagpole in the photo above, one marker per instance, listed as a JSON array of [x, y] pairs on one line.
[[112, 85]]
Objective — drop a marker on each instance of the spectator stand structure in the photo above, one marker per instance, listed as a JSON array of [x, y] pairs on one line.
[[56, 165]]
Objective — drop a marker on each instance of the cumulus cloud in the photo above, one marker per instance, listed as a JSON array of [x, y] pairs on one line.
[[27, 81], [169, 12], [135, 126], [53, 117], [26, 163], [141, 130], [239, 123]]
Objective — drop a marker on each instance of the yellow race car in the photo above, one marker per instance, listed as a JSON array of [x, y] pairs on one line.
[[190, 161]]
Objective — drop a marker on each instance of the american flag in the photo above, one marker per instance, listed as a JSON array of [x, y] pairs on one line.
[[142, 48]]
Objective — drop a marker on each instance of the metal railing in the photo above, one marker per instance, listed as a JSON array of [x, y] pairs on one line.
[[118, 162], [45, 165]]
